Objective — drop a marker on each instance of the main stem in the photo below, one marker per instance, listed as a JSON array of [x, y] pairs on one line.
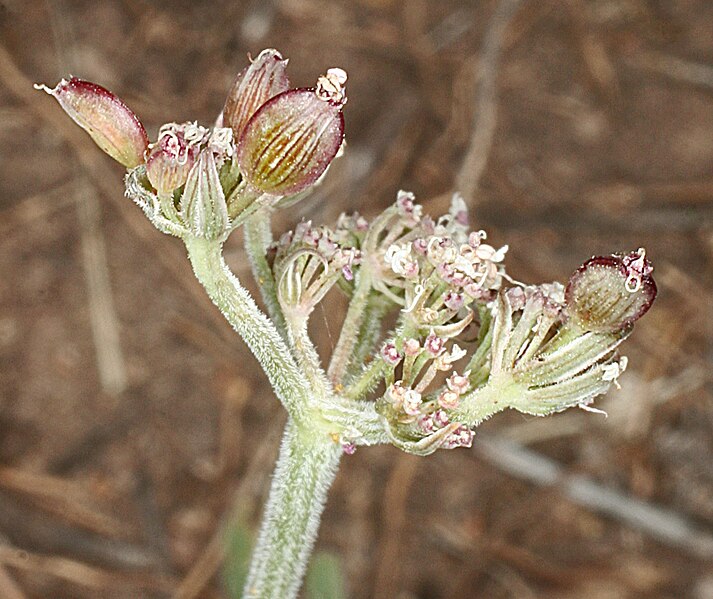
[[305, 471], [310, 449]]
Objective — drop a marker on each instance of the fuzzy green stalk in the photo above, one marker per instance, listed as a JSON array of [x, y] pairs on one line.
[[343, 352], [307, 356], [305, 471], [258, 237], [311, 448], [258, 332], [372, 374], [479, 405]]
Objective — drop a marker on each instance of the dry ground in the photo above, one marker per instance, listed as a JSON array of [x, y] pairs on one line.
[[124, 438]]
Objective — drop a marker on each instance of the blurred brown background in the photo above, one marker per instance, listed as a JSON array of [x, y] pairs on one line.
[[132, 420]]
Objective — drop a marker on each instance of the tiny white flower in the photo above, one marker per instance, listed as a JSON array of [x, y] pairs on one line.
[[221, 142], [612, 371], [399, 258], [412, 402], [448, 400]]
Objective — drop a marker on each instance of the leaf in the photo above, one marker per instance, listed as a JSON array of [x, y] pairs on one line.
[[237, 558], [325, 579]]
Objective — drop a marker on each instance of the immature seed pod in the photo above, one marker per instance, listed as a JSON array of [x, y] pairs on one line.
[[255, 85], [110, 123], [609, 293], [203, 206], [291, 140], [171, 158]]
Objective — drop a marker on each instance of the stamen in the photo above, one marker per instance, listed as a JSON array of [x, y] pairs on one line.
[[633, 283], [587, 408], [419, 290], [330, 87], [43, 88]]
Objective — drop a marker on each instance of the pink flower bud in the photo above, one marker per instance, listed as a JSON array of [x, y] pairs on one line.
[[390, 354], [109, 122], [170, 159], [420, 246], [347, 272], [425, 422], [434, 345], [454, 301], [395, 394], [348, 447], [405, 202], [408, 209], [448, 400], [517, 298], [412, 347], [609, 293], [291, 140], [440, 418], [262, 80], [412, 402], [458, 383], [461, 437]]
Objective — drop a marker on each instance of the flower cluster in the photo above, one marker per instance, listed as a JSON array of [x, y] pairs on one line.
[[433, 269], [553, 348], [536, 349], [540, 349], [307, 263], [270, 142], [419, 420], [463, 340]]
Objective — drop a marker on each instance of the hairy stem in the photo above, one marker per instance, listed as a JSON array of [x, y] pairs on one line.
[[350, 328], [252, 325], [479, 405], [343, 418], [305, 471], [307, 357], [258, 237], [358, 421], [368, 335], [372, 374]]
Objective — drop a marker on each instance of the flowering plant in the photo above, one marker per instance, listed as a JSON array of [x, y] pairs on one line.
[[468, 342]]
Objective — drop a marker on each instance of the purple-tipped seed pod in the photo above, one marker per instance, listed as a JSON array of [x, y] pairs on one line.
[[609, 293], [291, 140], [110, 123], [255, 85]]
